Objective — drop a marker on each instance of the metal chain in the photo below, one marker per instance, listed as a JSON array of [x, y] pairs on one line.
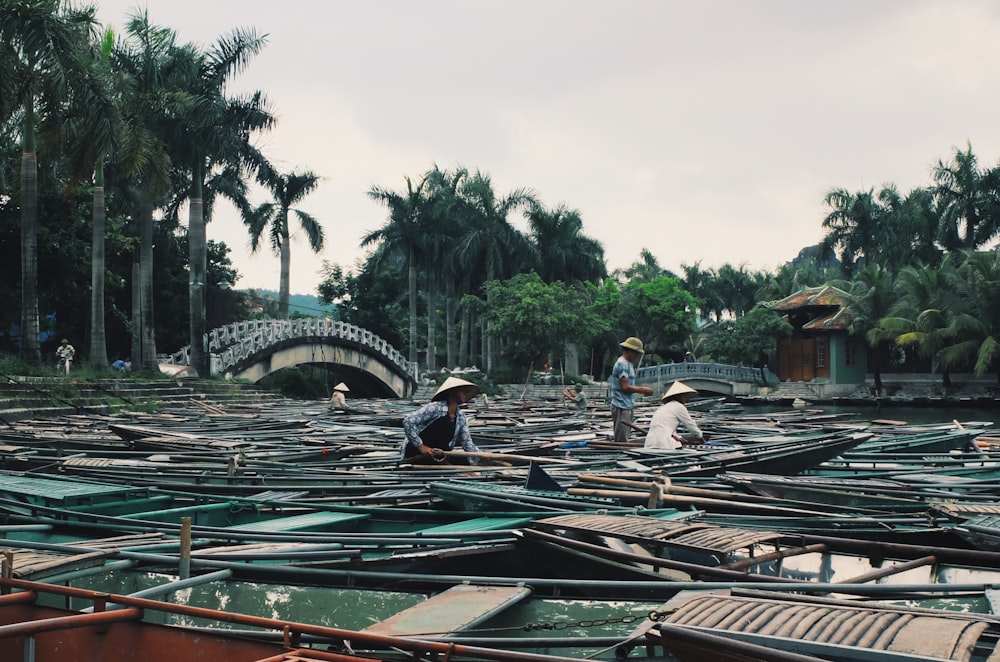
[[586, 623]]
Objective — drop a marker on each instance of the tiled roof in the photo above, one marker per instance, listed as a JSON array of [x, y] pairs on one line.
[[838, 321], [811, 297]]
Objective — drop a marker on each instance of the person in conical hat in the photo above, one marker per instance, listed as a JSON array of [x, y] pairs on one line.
[[440, 425], [672, 414], [623, 388], [338, 400]]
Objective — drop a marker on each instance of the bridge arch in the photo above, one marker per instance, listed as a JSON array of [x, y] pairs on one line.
[[253, 349], [718, 378]]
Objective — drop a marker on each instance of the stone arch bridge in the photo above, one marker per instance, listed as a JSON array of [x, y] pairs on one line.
[[253, 349], [706, 377]]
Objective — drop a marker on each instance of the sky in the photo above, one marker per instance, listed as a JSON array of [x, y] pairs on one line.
[[705, 131]]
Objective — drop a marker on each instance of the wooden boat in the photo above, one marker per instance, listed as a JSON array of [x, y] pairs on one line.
[[761, 625], [784, 454], [616, 547], [117, 627]]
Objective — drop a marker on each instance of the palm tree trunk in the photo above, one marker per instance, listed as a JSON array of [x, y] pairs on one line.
[[197, 274], [451, 307], [136, 312], [464, 352], [412, 286], [98, 338], [284, 284], [431, 321], [484, 346], [30, 349], [147, 333]]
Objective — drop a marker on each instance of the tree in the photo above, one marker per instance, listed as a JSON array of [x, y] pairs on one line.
[[370, 296], [287, 190], [854, 226], [976, 321], [148, 61], [490, 243], [747, 338], [967, 198], [402, 236], [566, 254], [920, 316], [444, 211], [660, 310], [214, 132], [95, 127], [870, 298], [533, 316], [42, 44], [645, 268]]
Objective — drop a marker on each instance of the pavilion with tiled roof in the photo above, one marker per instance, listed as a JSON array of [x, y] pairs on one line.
[[820, 348]]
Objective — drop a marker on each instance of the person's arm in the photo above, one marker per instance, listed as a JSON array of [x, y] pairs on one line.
[[414, 423], [464, 437], [694, 433], [626, 387]]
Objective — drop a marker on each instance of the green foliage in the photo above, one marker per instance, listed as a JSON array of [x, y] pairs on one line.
[[373, 297], [534, 317], [659, 311], [748, 338]]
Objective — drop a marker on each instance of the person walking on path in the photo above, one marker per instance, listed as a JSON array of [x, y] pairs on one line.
[[673, 413], [622, 389], [64, 354], [440, 425]]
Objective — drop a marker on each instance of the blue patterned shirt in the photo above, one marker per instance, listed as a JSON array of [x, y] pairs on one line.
[[619, 398], [414, 424]]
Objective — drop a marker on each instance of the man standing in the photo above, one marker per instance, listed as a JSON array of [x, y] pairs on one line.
[[622, 389]]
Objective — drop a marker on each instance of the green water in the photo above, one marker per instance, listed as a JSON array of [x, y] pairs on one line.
[[356, 609], [909, 414]]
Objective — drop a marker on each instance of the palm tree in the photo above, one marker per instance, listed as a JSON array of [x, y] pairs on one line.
[[920, 316], [871, 296], [96, 129], [214, 132], [566, 254], [854, 226], [644, 269], [402, 235], [968, 203], [489, 242], [444, 211], [147, 60], [288, 190], [976, 323], [43, 42]]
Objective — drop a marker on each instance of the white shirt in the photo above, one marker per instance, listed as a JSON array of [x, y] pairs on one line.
[[664, 424]]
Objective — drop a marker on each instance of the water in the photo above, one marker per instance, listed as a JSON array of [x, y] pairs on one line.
[[918, 415]]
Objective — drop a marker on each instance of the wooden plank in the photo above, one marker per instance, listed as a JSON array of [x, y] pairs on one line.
[[459, 608], [302, 522], [478, 524]]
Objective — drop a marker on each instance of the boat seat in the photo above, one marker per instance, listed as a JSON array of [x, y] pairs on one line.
[[303, 522], [477, 524], [459, 608], [816, 625]]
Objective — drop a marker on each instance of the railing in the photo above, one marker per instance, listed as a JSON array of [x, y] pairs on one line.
[[235, 343], [720, 371]]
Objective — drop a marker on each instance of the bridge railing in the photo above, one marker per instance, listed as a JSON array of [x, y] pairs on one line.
[[670, 371], [234, 343]]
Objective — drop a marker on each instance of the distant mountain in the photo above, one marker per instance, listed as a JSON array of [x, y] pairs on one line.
[[304, 304]]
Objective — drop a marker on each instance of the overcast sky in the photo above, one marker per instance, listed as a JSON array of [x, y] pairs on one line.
[[703, 130]]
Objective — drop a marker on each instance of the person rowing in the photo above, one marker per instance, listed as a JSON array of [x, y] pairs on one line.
[[440, 425]]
